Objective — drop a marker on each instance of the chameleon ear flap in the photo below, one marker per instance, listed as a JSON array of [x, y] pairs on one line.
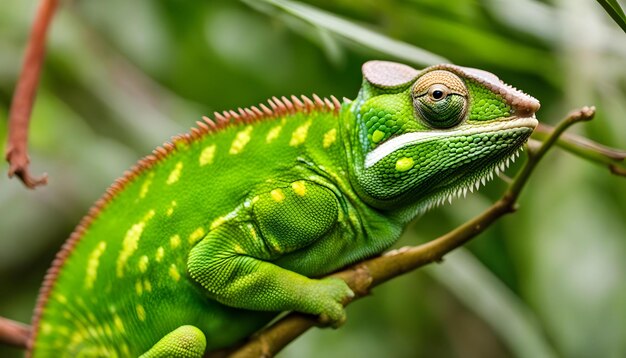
[[385, 74]]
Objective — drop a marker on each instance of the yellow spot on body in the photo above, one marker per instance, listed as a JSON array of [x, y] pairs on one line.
[[92, 332], [138, 288], [100, 331], [130, 243], [125, 350], [196, 235], [207, 155], [159, 254], [141, 313], [119, 325], [329, 138], [145, 187], [77, 338], [277, 195], [404, 164], [275, 247], [175, 174], [299, 187], [241, 139], [377, 136], [174, 274], [299, 135], [61, 298], [255, 237], [147, 286], [92, 265], [255, 199], [46, 328], [217, 222], [170, 210], [108, 331], [273, 134], [238, 249], [143, 263], [174, 241]]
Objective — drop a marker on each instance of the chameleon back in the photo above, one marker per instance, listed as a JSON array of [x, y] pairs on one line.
[[120, 282]]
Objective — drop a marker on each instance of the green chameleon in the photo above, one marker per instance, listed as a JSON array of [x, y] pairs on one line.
[[207, 238]]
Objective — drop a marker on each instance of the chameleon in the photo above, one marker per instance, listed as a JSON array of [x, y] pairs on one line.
[[210, 237]]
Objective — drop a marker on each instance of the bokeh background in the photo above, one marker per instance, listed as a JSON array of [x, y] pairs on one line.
[[121, 77]]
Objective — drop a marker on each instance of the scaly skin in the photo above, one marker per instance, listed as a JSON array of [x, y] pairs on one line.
[[204, 241]]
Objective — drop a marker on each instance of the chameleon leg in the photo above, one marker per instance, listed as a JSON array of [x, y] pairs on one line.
[[233, 262], [183, 342]]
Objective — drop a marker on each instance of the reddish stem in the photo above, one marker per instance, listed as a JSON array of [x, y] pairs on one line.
[[14, 333], [24, 96]]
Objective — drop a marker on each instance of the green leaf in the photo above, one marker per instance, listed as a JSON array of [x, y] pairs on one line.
[[613, 8], [352, 31]]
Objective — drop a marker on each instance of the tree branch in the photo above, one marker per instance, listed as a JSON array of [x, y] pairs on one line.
[[14, 333], [21, 107], [364, 276], [617, 170], [587, 149]]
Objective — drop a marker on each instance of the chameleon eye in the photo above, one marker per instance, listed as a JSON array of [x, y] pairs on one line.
[[438, 92], [440, 99], [441, 109]]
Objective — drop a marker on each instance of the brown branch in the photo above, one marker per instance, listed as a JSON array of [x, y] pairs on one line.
[[365, 275], [617, 170], [24, 96], [587, 149], [14, 333]]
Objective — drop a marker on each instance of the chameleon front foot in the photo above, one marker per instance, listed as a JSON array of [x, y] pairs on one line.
[[330, 295], [183, 342]]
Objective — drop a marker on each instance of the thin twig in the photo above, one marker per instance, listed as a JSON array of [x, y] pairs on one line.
[[24, 97], [14, 333], [587, 149], [535, 154], [617, 170], [368, 274]]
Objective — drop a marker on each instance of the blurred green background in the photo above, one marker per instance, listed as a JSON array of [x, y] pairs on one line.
[[121, 77]]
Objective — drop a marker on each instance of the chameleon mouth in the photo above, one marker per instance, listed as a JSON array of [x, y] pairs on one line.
[[413, 138], [480, 179]]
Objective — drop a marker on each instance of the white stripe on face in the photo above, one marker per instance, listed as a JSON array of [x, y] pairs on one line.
[[412, 138]]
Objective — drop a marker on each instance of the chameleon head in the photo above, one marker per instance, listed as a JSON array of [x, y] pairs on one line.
[[422, 137]]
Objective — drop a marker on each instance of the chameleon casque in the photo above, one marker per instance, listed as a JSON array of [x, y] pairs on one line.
[[207, 238]]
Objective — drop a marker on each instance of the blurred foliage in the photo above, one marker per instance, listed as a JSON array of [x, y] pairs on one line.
[[123, 77], [614, 9]]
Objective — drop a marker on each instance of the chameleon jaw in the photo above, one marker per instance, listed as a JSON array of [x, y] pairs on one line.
[[480, 179], [475, 183]]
